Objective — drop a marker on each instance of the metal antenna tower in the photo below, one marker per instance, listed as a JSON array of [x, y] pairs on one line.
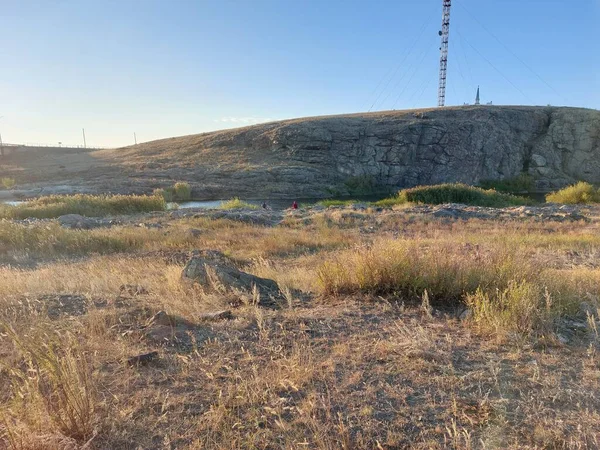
[[444, 32]]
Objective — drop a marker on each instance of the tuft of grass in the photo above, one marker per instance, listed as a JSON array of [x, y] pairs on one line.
[[521, 183], [51, 239], [85, 205], [333, 202], [51, 388], [578, 193], [166, 194], [521, 307], [459, 193], [236, 203], [8, 182], [505, 290], [179, 192], [389, 202], [182, 191]]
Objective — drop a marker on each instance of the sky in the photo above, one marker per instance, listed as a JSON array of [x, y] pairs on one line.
[[176, 67]]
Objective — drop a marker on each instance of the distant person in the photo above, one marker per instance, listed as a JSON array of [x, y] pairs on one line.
[[295, 205], [265, 206]]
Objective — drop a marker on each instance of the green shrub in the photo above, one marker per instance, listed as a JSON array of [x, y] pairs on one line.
[[8, 183], [165, 193], [459, 193], [236, 203], [521, 183], [85, 205], [332, 202], [182, 191], [389, 202], [581, 192], [361, 185]]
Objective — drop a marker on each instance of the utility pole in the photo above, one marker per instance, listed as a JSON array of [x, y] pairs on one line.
[[444, 33], [134, 138], [84, 144]]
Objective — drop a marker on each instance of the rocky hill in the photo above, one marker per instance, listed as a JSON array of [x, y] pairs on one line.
[[321, 156]]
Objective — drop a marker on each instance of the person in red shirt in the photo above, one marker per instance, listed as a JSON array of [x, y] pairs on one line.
[[295, 205]]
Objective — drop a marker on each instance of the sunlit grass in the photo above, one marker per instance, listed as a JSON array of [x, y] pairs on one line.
[[85, 205]]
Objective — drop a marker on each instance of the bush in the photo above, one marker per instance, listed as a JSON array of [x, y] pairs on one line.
[[505, 290], [581, 192], [236, 203], [459, 193], [403, 268], [85, 205], [166, 194], [8, 183], [520, 307], [521, 183], [332, 202], [182, 191], [362, 185]]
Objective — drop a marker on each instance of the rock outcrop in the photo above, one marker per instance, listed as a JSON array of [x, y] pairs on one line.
[[213, 271], [315, 157], [346, 154]]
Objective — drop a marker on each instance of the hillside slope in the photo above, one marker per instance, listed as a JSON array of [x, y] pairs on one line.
[[315, 157]]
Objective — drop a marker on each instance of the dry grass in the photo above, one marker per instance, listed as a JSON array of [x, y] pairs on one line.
[[581, 192], [367, 351], [85, 205]]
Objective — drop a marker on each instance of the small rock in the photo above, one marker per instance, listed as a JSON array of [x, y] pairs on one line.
[[217, 315], [466, 314], [194, 232], [214, 272], [562, 338], [142, 360]]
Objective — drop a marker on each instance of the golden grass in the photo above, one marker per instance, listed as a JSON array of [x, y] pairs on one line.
[[236, 203], [581, 192], [362, 355], [85, 205]]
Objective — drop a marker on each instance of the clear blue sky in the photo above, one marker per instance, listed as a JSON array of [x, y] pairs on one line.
[[174, 67]]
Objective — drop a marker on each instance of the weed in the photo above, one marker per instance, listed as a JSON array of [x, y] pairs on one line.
[[581, 192], [236, 203], [521, 183], [459, 193], [8, 182], [182, 191], [85, 205]]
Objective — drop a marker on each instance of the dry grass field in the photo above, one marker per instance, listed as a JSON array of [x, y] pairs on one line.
[[395, 331]]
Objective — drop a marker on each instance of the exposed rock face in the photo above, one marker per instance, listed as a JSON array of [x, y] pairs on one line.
[[397, 149], [555, 145], [324, 156]]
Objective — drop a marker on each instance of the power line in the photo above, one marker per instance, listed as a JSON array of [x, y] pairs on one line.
[[425, 23], [464, 53], [412, 76], [511, 52], [494, 67]]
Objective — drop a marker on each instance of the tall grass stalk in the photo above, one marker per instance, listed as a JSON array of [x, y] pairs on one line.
[[52, 385]]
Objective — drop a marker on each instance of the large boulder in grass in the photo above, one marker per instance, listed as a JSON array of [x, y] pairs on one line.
[[216, 273]]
